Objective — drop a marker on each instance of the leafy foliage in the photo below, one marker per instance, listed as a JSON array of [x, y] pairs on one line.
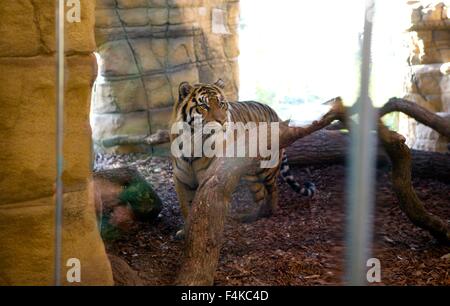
[[144, 201]]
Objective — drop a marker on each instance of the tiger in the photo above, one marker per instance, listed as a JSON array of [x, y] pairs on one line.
[[208, 101]]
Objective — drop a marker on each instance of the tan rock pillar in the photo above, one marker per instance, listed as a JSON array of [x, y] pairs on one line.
[[27, 141], [428, 82]]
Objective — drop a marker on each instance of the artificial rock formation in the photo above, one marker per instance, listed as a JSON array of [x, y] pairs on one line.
[[28, 134], [146, 48], [428, 82]]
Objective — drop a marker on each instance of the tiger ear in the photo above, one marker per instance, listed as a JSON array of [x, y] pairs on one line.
[[220, 83], [184, 90], [286, 122]]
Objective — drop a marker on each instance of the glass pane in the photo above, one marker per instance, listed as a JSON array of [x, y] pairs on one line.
[[92, 191]]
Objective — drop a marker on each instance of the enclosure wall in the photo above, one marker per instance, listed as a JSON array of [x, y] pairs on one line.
[[27, 133], [146, 49], [428, 82]]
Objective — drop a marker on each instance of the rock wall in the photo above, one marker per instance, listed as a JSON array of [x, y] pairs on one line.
[[146, 48], [27, 139], [428, 82]]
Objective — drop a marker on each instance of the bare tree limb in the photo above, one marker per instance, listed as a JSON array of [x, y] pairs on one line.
[[410, 204], [160, 137], [204, 228], [415, 111]]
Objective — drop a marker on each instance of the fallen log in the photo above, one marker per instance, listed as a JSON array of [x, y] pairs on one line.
[[331, 147]]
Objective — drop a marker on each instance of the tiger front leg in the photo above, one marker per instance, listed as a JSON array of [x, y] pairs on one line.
[[185, 197]]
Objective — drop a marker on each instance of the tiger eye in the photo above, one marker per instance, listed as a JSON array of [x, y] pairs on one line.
[[203, 107]]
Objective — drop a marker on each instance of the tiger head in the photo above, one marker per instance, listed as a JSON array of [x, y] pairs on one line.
[[203, 100]]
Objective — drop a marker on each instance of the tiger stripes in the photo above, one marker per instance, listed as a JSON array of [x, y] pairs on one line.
[[208, 102]]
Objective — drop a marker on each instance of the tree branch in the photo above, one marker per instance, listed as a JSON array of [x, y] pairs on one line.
[[413, 110], [410, 204], [420, 114], [160, 137]]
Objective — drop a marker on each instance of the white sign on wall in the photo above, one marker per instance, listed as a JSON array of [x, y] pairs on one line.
[[219, 22]]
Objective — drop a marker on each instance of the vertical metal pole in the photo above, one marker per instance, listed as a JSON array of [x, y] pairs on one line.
[[59, 137], [362, 165]]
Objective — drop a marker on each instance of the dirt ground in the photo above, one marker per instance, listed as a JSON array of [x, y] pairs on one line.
[[302, 244]]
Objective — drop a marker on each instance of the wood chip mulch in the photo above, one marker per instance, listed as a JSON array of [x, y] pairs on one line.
[[302, 244]]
